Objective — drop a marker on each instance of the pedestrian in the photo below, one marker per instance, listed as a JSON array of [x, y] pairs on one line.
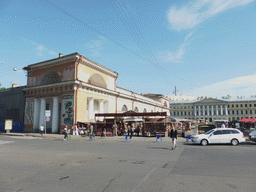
[[173, 136], [65, 132], [223, 125], [132, 130], [41, 130]]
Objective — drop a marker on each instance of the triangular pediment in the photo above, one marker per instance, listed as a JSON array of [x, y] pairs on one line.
[[210, 100]]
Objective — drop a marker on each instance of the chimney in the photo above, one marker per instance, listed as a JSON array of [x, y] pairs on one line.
[[60, 54]]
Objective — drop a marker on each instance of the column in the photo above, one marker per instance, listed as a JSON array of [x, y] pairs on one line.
[[42, 111], [195, 111], [208, 110], [212, 110], [101, 108], [36, 114], [203, 110], [91, 108], [55, 115], [221, 110], [199, 111], [226, 109], [217, 112]]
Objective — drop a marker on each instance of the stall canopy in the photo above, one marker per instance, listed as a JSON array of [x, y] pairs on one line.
[[248, 120]]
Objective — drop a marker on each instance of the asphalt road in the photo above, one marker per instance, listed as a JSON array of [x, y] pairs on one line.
[[36, 164]]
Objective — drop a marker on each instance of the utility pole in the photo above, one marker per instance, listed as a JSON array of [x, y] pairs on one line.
[[175, 91]]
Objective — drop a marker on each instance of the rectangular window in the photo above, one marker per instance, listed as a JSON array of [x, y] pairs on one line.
[[250, 111], [237, 112], [232, 106], [245, 105], [233, 112], [246, 112], [185, 107], [173, 113], [236, 105], [185, 113], [224, 112], [181, 113], [250, 105], [228, 106], [242, 112], [177, 113], [254, 104], [188, 113], [241, 105]]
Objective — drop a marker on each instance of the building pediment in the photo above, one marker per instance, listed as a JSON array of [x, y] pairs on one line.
[[210, 100]]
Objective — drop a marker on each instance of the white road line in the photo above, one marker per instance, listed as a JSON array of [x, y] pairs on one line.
[[5, 142], [144, 179]]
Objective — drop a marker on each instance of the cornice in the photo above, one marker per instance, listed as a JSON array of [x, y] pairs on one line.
[[96, 66]]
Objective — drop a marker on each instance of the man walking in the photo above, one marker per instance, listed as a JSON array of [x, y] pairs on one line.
[[41, 130], [173, 136]]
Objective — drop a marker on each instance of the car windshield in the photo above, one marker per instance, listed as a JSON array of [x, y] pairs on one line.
[[208, 132]]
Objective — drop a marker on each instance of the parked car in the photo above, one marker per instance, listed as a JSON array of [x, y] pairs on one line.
[[218, 136], [252, 136]]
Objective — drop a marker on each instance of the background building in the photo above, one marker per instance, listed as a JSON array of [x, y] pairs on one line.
[[209, 109]]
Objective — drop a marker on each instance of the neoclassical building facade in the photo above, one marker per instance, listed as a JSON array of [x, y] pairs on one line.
[[74, 88], [210, 109]]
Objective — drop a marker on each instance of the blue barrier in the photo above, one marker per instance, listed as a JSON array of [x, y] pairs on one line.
[[159, 137], [17, 127]]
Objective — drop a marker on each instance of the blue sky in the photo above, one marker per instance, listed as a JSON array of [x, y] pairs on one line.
[[204, 47]]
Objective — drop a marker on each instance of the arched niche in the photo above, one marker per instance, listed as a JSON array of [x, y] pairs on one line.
[[136, 109], [49, 77], [97, 80], [124, 108]]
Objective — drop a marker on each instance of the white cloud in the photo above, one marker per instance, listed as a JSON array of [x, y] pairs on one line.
[[195, 12], [39, 48], [96, 45], [176, 57], [240, 86]]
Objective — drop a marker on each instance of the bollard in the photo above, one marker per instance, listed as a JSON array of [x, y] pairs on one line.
[[159, 137], [128, 138]]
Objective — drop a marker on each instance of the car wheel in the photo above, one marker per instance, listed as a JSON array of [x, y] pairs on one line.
[[204, 142], [234, 142]]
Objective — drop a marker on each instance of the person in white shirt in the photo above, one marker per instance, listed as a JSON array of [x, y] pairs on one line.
[[41, 130]]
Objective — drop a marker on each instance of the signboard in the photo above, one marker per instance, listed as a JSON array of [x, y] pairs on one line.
[[8, 124], [47, 113], [47, 118]]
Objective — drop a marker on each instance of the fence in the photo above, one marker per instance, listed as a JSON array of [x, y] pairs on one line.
[[17, 127]]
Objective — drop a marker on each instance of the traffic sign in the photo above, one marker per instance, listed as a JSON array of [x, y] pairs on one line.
[[47, 113]]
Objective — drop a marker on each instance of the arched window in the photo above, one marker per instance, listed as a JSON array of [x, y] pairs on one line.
[[136, 109], [124, 108], [49, 77]]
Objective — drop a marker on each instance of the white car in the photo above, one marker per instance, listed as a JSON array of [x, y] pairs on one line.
[[218, 136]]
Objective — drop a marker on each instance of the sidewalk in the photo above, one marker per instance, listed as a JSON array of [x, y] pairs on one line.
[[79, 137]]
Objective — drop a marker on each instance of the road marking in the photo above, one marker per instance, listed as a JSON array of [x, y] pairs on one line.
[[144, 179], [5, 142]]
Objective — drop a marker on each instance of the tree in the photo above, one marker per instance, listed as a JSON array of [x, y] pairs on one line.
[[2, 88]]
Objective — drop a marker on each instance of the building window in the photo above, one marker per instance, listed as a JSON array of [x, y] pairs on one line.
[[237, 112], [173, 113], [237, 118], [185, 113], [224, 112], [174, 107], [205, 112], [245, 105], [232, 106], [237, 105], [242, 112], [188, 113], [47, 107], [228, 106], [246, 112], [233, 112], [241, 105], [250, 111], [197, 113], [185, 107], [188, 107], [254, 104], [181, 113], [177, 107], [250, 105]]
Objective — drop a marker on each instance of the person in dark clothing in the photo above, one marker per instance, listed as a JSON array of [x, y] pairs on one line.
[[173, 136], [65, 133], [132, 130]]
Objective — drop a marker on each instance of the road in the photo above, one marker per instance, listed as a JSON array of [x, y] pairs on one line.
[[41, 164]]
